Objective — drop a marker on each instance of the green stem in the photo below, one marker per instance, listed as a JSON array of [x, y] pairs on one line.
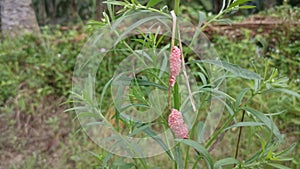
[[214, 18], [196, 162], [191, 135], [219, 132], [152, 10], [176, 6], [186, 158]]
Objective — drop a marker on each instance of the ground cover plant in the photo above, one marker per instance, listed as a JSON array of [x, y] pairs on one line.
[[35, 73]]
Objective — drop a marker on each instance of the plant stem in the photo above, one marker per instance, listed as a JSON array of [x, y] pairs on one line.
[[174, 18], [185, 74], [172, 46], [186, 157], [214, 18], [176, 6], [215, 136], [196, 162], [239, 137], [169, 99], [152, 10]]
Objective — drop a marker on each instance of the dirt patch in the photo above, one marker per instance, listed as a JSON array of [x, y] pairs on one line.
[[25, 136]]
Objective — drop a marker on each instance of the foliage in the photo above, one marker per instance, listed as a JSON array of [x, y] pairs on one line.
[[70, 11], [243, 100], [42, 65], [34, 67]]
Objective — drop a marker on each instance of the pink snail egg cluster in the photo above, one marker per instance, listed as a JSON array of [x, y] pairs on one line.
[[175, 64], [177, 124]]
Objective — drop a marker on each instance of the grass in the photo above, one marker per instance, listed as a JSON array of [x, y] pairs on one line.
[[36, 77]]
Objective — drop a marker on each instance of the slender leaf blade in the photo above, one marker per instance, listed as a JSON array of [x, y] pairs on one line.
[[290, 92], [225, 161], [234, 69], [287, 151], [152, 134], [279, 166], [200, 149], [247, 7], [263, 118], [245, 124], [178, 157], [238, 2], [119, 3], [240, 97], [152, 3]]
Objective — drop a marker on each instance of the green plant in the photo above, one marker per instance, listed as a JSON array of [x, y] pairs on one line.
[[264, 138]]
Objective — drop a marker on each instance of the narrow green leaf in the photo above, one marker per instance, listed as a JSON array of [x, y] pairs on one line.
[[200, 131], [97, 156], [152, 134], [142, 82], [247, 7], [200, 149], [133, 149], [235, 69], [104, 91], [152, 3], [228, 107], [263, 118], [225, 161], [287, 151], [238, 2], [139, 130], [254, 157], [202, 19], [75, 108], [105, 160], [119, 3], [226, 21], [178, 157], [202, 77], [94, 23], [279, 166], [290, 92], [256, 85], [245, 124], [240, 97], [134, 26], [276, 114], [282, 159]]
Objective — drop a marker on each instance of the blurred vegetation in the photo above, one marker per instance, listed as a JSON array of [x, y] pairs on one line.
[[76, 11], [42, 64]]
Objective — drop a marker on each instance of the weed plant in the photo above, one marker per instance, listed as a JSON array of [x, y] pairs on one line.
[[247, 136]]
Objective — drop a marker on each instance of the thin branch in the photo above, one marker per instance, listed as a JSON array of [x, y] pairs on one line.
[[185, 74], [239, 137], [173, 29]]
